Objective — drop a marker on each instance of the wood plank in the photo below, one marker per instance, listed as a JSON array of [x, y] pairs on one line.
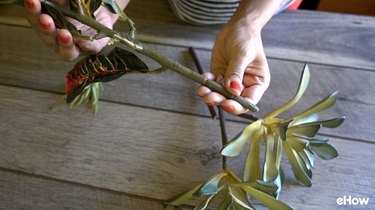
[[21, 66], [13, 15], [147, 152], [22, 191], [306, 36]]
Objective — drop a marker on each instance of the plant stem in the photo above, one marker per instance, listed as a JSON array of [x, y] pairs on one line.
[[162, 60]]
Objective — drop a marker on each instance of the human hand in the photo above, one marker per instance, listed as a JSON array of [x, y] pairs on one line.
[[239, 63], [61, 40]]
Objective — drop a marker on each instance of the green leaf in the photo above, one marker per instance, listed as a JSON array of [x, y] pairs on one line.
[[306, 160], [270, 170], [183, 198], [296, 143], [101, 68], [304, 81], [309, 130], [252, 166], [90, 94], [239, 196], [267, 200], [297, 165], [225, 203], [238, 206], [309, 155], [315, 139], [211, 186], [205, 203], [234, 147], [321, 105], [324, 150], [331, 123], [311, 118], [266, 187]]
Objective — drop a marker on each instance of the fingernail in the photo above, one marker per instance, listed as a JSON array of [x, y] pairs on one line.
[[64, 39], [229, 108], [235, 85], [211, 104], [45, 26], [29, 4]]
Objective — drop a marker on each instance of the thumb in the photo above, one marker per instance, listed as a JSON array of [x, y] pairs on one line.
[[235, 71]]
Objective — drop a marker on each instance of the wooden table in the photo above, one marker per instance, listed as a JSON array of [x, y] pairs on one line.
[[153, 137]]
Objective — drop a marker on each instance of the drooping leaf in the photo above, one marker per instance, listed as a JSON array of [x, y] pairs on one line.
[[235, 146], [183, 198], [321, 105], [324, 150], [101, 68], [270, 170], [269, 201], [304, 81], [212, 185], [298, 169], [90, 94], [252, 166]]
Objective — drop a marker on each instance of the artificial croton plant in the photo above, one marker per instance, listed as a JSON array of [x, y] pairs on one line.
[[296, 135]]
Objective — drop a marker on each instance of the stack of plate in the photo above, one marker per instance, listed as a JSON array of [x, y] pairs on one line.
[[204, 11], [209, 11]]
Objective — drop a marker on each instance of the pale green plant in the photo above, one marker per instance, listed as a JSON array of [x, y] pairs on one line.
[[296, 136]]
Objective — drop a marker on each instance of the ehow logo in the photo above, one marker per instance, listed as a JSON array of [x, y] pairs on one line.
[[352, 201]]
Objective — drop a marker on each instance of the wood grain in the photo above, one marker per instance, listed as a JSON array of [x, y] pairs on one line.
[[13, 15], [170, 91], [20, 191], [306, 36], [146, 152]]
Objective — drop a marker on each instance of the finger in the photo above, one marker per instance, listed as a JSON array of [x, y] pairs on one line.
[[213, 98], [92, 47], [47, 30], [67, 48], [34, 9], [233, 107], [254, 93], [256, 85], [235, 71], [203, 90]]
